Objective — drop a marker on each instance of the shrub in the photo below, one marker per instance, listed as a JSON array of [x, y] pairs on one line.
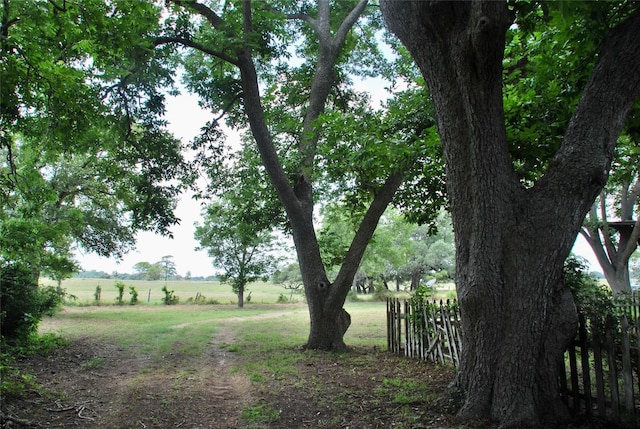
[[169, 298], [98, 293], [23, 303], [120, 286], [352, 296], [134, 295], [593, 300], [423, 293], [442, 275]]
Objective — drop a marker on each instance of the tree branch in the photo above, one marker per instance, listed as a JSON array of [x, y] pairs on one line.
[[367, 227], [162, 40], [203, 11], [631, 246], [347, 24]]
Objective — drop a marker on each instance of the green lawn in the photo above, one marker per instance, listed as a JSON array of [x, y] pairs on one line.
[[155, 328], [163, 325]]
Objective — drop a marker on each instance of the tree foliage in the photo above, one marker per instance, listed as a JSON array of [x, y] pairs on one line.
[[398, 252], [237, 230], [285, 70], [86, 159]]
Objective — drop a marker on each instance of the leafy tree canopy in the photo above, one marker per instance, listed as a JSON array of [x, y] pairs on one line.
[[86, 158]]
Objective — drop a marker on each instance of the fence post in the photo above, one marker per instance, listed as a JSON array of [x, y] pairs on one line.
[[584, 361], [627, 376], [398, 326], [389, 324], [407, 330], [613, 374], [596, 341]]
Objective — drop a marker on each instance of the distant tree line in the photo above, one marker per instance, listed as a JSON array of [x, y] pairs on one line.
[[165, 269], [95, 274]]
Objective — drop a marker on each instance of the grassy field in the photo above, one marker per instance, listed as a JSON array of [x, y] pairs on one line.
[[165, 366], [158, 327], [162, 325], [150, 292], [81, 291]]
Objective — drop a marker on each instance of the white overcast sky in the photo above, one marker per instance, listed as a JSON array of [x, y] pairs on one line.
[[185, 119]]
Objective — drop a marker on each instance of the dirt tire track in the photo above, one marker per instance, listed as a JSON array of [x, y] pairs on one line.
[[128, 391]]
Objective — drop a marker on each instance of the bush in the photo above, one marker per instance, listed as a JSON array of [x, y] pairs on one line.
[[423, 293], [23, 303], [134, 295], [120, 298], [352, 296], [594, 300], [169, 298]]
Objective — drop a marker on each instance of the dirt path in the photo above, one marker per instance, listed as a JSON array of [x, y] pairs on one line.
[[100, 385]]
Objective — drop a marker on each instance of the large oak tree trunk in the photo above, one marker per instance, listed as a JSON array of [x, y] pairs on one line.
[[511, 242]]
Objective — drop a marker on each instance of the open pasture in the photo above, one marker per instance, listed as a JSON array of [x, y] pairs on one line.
[[157, 327], [150, 292], [81, 291]]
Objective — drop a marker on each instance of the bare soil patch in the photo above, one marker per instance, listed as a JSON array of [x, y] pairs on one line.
[[90, 384]]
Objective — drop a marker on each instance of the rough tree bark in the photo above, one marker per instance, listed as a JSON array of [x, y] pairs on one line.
[[511, 241]]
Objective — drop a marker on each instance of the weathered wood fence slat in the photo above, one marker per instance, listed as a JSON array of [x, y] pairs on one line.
[[600, 373], [430, 330], [605, 384]]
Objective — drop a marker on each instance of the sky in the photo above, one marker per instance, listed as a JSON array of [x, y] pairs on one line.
[[185, 118]]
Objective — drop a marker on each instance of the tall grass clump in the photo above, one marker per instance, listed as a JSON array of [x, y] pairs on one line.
[[134, 295]]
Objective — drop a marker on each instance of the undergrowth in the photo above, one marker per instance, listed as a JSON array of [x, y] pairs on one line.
[[14, 382]]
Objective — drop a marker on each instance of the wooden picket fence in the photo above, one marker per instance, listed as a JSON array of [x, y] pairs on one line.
[[430, 330], [601, 373], [602, 365]]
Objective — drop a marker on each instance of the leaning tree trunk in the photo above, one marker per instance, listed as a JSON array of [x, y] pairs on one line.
[[511, 242]]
